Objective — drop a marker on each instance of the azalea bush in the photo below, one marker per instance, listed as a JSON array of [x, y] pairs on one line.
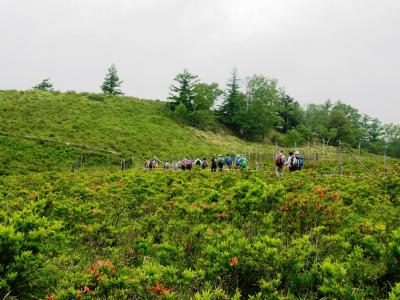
[[177, 235]]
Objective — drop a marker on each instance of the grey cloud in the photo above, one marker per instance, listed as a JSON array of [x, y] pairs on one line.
[[318, 49]]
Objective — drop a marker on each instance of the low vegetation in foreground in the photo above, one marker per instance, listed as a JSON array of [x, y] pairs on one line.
[[100, 233], [177, 235]]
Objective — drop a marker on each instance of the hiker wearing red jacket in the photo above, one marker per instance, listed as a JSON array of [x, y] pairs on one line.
[[280, 161]]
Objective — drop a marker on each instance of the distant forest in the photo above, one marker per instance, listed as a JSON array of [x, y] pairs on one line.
[[257, 109]]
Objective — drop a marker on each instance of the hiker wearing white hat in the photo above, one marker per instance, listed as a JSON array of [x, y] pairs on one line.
[[296, 162]]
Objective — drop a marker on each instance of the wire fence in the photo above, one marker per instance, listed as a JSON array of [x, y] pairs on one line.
[[327, 162], [319, 156]]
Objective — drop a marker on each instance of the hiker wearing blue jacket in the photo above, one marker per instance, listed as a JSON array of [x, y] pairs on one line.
[[228, 162], [237, 161]]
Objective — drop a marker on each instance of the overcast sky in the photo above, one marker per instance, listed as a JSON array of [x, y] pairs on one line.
[[317, 49]]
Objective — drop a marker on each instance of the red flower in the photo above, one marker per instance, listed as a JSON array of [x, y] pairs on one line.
[[234, 261], [159, 289], [86, 289]]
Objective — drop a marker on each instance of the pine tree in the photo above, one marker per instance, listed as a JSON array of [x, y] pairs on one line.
[[234, 102], [183, 92], [112, 84], [45, 85]]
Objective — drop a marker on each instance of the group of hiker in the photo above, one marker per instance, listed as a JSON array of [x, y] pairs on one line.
[[219, 162], [294, 162]]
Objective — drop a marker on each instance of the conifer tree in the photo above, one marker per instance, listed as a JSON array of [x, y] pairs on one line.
[[183, 92], [234, 101], [45, 85], [112, 84]]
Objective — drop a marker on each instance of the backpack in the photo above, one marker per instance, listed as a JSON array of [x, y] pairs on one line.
[[213, 162], [243, 163], [197, 162], [237, 159], [279, 160], [204, 164], [220, 161], [228, 160], [298, 161]]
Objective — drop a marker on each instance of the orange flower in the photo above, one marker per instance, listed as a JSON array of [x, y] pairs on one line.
[[234, 261], [109, 264], [335, 196], [159, 289]]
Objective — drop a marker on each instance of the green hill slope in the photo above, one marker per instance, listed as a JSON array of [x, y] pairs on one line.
[[49, 131], [121, 125]]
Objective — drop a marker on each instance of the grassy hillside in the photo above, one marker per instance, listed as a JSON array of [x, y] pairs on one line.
[[121, 124], [49, 131]]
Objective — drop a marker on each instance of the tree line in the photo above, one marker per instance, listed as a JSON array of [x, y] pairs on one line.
[[257, 108]]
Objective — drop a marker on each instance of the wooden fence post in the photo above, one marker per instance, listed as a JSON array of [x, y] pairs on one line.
[[384, 161], [340, 159]]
